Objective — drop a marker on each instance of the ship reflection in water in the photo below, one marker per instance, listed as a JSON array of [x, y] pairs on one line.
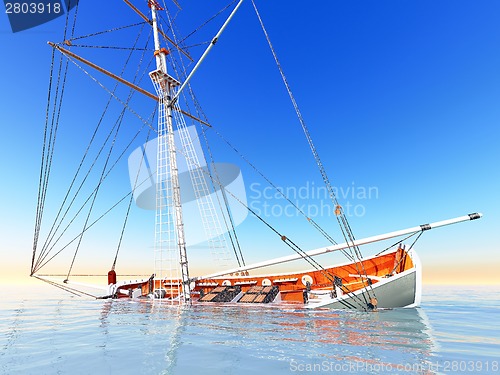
[[56, 333], [274, 340]]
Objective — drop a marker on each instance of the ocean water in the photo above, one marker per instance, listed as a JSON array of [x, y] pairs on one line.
[[457, 330]]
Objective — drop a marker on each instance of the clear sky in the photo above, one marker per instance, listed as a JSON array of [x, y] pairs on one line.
[[402, 99]]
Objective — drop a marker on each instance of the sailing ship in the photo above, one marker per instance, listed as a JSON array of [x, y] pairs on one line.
[[391, 278]]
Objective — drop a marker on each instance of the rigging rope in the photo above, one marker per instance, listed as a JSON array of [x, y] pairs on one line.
[[93, 223], [406, 251], [213, 176], [44, 253], [348, 256], [198, 108], [49, 145], [207, 22], [85, 203], [110, 47], [66, 288], [201, 114], [104, 173], [286, 240], [396, 243], [130, 203], [340, 214], [113, 94], [247, 161], [182, 72], [38, 216], [96, 192], [280, 191], [235, 243], [50, 235], [107, 31], [223, 189]]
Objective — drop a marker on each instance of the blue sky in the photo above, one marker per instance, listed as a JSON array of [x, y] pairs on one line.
[[401, 97]]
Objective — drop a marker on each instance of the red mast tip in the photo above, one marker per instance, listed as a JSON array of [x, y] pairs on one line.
[[156, 4]]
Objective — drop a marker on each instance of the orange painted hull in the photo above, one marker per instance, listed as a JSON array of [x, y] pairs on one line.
[[291, 285]]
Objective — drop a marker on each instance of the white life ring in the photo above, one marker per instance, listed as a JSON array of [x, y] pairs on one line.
[[266, 282], [306, 279]]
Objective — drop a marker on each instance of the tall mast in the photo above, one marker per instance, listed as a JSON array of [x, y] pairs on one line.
[[167, 163]]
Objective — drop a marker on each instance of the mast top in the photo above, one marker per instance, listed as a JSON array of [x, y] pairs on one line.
[[155, 4], [160, 53]]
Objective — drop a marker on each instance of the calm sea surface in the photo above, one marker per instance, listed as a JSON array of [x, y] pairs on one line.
[[457, 330]]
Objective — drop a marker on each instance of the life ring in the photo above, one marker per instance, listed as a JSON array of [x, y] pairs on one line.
[[306, 279], [266, 282]]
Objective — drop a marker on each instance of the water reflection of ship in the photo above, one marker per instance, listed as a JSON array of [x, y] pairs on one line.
[[403, 327], [389, 338], [405, 331], [162, 320]]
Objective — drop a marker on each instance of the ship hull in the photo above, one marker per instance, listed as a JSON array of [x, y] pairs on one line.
[[399, 291], [392, 278]]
